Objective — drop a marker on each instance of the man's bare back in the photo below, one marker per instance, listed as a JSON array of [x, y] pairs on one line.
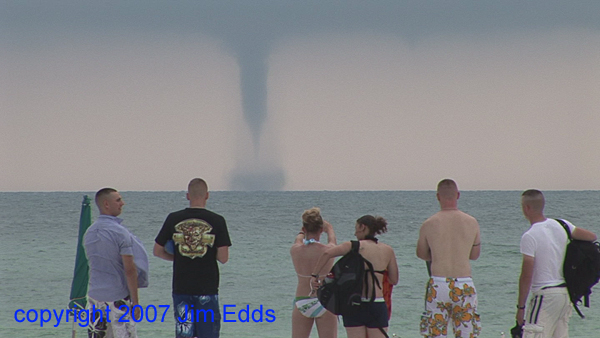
[[449, 239]]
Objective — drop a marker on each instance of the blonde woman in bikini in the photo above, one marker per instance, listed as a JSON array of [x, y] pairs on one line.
[[305, 253]]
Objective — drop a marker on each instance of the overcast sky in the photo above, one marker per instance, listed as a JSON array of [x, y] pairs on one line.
[[371, 95]]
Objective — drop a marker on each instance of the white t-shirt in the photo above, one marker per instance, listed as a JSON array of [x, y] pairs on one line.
[[546, 241]]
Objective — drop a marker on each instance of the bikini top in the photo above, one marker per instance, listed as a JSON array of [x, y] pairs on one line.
[[307, 242], [372, 238], [310, 241]]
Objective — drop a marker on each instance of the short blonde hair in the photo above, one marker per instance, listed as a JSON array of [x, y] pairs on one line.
[[533, 198], [447, 188]]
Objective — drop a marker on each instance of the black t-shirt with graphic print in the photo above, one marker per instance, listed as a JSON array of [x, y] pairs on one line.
[[197, 233]]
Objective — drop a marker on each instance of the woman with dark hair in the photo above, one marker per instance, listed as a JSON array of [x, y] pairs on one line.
[[373, 315], [305, 252]]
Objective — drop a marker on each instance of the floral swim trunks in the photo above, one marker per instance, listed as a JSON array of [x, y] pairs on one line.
[[450, 300], [118, 324]]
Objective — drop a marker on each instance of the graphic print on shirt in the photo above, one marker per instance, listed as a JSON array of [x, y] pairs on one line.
[[193, 238]]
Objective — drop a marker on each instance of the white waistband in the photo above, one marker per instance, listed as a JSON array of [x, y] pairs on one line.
[[378, 300], [459, 279]]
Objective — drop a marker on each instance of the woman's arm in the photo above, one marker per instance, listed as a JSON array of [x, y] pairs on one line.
[[299, 238], [338, 250], [328, 229]]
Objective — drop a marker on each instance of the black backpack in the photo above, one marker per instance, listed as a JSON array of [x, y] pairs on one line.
[[581, 268], [342, 289]]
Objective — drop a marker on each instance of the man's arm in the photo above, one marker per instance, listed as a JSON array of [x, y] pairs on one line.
[[423, 250], [476, 248], [223, 254], [328, 229], [583, 235], [132, 282], [159, 251], [524, 286]]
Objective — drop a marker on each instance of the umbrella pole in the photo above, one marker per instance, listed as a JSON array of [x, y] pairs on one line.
[[74, 332]]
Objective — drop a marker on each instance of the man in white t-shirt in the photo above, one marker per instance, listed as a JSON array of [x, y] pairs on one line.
[[543, 247]]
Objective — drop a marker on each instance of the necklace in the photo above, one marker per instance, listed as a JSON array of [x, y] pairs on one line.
[[371, 238]]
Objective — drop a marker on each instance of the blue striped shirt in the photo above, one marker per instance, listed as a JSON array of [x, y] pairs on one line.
[[105, 242]]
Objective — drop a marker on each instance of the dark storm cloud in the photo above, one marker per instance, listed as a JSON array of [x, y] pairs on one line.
[[237, 21], [249, 30]]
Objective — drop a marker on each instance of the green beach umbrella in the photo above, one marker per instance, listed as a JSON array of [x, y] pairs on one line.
[[79, 285]]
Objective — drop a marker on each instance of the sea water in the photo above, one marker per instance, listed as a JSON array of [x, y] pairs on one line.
[[39, 236]]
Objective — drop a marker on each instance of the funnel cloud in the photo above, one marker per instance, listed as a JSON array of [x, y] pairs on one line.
[[252, 61]]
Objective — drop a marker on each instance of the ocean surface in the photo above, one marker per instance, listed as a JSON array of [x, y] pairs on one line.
[[39, 237]]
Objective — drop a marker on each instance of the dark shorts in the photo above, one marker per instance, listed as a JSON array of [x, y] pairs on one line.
[[370, 314], [197, 316]]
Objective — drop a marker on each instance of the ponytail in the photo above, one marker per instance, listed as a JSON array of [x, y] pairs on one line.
[[376, 224]]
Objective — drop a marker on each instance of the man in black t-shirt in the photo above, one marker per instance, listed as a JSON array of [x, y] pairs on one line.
[[200, 239]]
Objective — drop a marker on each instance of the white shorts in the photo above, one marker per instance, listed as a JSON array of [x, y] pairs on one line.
[[548, 314]]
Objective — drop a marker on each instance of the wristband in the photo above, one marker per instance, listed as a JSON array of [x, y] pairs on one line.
[[520, 307], [315, 275]]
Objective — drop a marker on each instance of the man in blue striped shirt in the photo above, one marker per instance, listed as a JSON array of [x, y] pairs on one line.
[[118, 266]]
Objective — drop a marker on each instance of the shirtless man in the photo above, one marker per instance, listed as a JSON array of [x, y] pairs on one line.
[[448, 240]]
